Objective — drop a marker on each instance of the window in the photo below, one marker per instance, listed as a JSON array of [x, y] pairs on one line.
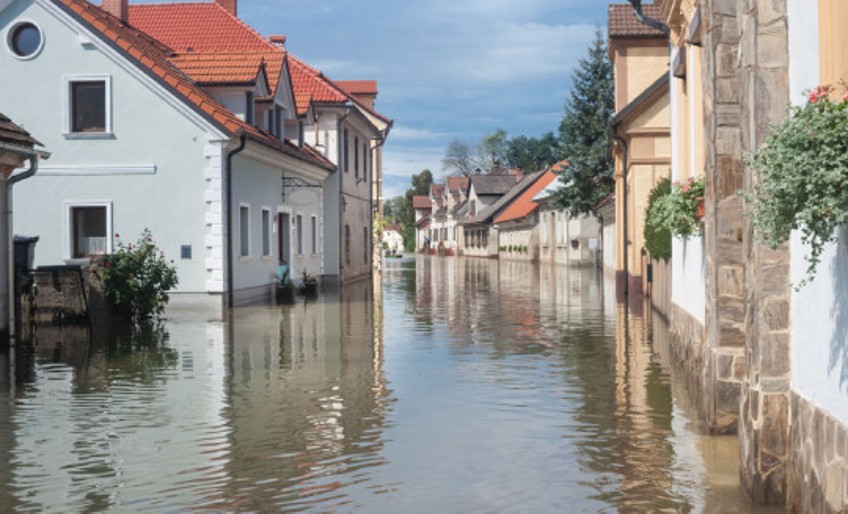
[[249, 109], [299, 229], [266, 232], [89, 106], [347, 244], [364, 161], [346, 153], [89, 230], [314, 234], [270, 123], [365, 244], [244, 231], [472, 207], [25, 40], [356, 157]]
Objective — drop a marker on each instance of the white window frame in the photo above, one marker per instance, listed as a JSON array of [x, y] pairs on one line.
[[313, 230], [69, 226], [267, 236], [67, 81], [11, 31], [242, 235]]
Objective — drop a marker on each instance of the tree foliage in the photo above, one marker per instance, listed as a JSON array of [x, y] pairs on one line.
[[400, 210], [657, 236], [492, 150], [458, 158], [584, 133], [531, 153]]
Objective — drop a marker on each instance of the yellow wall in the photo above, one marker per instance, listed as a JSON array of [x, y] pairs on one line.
[[833, 44]]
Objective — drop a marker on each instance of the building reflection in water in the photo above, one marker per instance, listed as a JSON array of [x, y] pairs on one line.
[[307, 401]]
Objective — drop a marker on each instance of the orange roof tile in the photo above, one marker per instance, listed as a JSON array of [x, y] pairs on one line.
[[152, 57], [358, 87], [421, 202], [308, 80], [221, 68], [302, 101], [196, 27], [457, 185], [624, 25], [524, 204]]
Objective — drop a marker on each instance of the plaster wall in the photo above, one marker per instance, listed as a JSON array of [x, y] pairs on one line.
[[149, 177], [820, 327]]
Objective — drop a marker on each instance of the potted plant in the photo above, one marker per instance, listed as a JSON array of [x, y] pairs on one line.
[[309, 285], [803, 177], [678, 211]]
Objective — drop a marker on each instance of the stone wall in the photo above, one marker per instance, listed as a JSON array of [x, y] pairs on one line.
[[763, 83], [818, 479], [725, 356]]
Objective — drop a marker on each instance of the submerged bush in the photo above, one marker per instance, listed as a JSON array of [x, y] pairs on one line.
[[137, 279]]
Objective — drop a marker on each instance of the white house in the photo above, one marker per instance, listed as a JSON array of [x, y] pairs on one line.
[[392, 238], [422, 206], [479, 237], [149, 133]]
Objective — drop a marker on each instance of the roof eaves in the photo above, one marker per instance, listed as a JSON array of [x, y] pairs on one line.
[[644, 96]]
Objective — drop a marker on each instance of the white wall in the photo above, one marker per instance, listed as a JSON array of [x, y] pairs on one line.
[[819, 341], [167, 149]]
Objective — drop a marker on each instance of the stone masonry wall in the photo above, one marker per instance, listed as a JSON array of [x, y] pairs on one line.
[[725, 355], [763, 84]]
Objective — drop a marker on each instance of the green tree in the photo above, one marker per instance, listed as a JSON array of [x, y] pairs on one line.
[[492, 150], [402, 210], [584, 133], [531, 153]]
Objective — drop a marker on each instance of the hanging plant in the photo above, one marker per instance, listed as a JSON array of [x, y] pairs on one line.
[[803, 177], [657, 236], [678, 211]]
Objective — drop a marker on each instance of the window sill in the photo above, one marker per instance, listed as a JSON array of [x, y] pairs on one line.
[[245, 258], [88, 135]]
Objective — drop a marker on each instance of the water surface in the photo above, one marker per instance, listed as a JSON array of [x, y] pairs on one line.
[[463, 385]]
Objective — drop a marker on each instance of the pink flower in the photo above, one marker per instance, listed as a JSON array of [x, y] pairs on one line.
[[685, 188], [845, 98]]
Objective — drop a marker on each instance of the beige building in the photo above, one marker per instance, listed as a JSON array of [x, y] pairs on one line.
[[641, 133]]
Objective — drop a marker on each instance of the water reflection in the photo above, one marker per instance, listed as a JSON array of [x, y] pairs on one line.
[[473, 386]]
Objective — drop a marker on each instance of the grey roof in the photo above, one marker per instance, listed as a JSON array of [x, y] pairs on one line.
[[492, 184], [13, 134], [488, 214], [458, 207]]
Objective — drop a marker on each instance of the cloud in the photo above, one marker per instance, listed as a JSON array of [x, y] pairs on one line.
[[403, 133]]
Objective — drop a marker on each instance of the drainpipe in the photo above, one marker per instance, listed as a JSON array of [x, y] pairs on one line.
[[623, 143], [229, 214], [33, 156]]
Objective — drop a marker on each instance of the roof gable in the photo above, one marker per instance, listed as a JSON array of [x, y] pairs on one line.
[[492, 184], [524, 205]]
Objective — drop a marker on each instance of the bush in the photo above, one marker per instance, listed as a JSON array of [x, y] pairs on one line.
[[137, 279], [677, 211], [657, 236], [803, 171]]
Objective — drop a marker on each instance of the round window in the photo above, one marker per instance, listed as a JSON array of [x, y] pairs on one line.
[[25, 40]]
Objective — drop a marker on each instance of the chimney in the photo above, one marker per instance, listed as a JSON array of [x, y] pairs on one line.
[[231, 6], [117, 8], [278, 40]]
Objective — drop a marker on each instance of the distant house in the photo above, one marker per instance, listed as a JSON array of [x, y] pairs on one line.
[[606, 216], [423, 207], [452, 197], [393, 238], [17, 150], [484, 192]]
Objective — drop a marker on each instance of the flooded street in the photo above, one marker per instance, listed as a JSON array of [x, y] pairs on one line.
[[474, 386]]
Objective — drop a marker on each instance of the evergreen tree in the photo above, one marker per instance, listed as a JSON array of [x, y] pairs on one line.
[[584, 133]]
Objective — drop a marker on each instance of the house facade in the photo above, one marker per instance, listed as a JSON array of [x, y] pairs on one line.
[[230, 159], [393, 239], [422, 206], [479, 236], [520, 229], [641, 134]]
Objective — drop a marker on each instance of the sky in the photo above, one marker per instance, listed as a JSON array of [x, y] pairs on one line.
[[445, 69]]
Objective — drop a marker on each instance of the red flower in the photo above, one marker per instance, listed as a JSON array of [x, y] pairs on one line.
[[117, 235]]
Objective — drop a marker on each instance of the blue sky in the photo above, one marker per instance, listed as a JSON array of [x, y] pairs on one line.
[[446, 69]]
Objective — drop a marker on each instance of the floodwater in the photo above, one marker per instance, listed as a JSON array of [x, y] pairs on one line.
[[466, 386]]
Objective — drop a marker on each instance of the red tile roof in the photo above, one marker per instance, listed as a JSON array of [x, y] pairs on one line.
[[421, 202], [358, 87], [308, 80], [221, 68], [524, 204], [196, 27], [436, 190], [152, 57], [457, 185], [624, 25]]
